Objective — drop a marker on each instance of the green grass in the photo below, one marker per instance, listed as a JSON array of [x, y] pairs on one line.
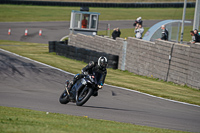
[[125, 33], [29, 121], [18, 13], [126, 79]]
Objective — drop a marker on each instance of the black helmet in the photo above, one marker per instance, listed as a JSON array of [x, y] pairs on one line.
[[102, 62]]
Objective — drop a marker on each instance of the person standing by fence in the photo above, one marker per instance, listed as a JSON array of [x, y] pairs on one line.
[[138, 31], [197, 36], [164, 35], [116, 33], [193, 37]]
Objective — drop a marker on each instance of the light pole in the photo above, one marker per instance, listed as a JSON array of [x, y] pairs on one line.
[[183, 19], [196, 15]]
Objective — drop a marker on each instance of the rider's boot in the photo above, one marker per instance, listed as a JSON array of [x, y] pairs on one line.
[[70, 85], [95, 93], [71, 97], [66, 83]]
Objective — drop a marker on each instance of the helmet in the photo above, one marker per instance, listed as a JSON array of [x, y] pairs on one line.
[[102, 62]]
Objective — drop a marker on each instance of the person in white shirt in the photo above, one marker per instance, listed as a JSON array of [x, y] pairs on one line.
[[138, 31]]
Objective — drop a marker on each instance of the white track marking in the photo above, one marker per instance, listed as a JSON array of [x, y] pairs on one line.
[[63, 38]]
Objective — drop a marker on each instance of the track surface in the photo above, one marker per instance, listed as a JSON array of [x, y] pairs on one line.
[[27, 84]]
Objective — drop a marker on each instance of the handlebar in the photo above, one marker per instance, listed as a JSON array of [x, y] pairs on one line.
[[92, 76]]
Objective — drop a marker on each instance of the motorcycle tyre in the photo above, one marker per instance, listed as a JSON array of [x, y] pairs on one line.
[[86, 98], [64, 100]]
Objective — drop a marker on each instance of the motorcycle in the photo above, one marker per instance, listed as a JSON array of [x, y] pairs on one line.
[[81, 91]]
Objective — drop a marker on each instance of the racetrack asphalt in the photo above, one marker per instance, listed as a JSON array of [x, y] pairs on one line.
[[27, 84]]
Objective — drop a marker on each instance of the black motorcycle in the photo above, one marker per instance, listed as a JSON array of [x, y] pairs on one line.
[[81, 91]]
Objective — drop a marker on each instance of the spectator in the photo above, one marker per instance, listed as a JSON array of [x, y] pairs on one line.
[[197, 36], [138, 21], [116, 33], [84, 22], [193, 37], [139, 30], [164, 33]]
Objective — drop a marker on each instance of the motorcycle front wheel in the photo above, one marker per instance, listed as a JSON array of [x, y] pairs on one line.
[[83, 96], [64, 98]]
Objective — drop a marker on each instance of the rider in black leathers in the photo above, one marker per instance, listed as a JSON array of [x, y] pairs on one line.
[[97, 67]]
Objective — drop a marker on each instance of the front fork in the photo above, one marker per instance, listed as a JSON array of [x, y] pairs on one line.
[[66, 84], [66, 90]]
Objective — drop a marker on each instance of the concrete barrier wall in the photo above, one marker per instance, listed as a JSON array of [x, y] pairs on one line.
[[193, 78], [179, 64], [165, 60], [148, 58]]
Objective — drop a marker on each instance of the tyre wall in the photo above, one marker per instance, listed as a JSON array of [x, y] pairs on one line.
[[99, 44], [164, 60], [82, 54]]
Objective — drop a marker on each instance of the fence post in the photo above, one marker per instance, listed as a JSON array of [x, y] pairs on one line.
[[124, 55], [108, 29], [177, 35]]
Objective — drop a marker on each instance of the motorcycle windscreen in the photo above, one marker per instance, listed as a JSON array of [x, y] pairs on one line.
[[99, 78]]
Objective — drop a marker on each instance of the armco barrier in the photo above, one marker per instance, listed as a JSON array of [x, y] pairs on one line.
[[82, 54], [93, 4]]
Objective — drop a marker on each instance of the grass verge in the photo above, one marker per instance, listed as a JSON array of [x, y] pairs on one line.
[[125, 79], [25, 120], [19, 13]]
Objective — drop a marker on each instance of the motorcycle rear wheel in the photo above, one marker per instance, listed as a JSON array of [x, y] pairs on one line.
[[86, 94], [64, 98]]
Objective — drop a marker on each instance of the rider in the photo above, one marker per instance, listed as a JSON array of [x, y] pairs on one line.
[[99, 67]]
